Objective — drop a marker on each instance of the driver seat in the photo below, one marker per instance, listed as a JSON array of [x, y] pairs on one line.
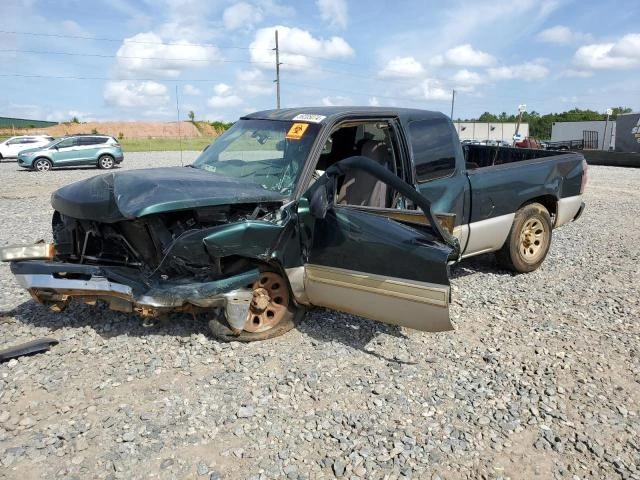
[[362, 188]]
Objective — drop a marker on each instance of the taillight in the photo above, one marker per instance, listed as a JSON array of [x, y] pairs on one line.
[[585, 171], [117, 145]]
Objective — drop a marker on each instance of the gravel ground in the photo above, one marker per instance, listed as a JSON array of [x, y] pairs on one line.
[[540, 378]]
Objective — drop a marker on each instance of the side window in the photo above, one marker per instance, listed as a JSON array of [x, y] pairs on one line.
[[67, 142], [15, 141], [433, 149]]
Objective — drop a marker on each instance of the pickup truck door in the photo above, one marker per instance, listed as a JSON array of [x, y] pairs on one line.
[[371, 265]]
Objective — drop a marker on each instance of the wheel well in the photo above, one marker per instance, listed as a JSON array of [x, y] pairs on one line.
[[42, 158], [104, 155], [547, 201]]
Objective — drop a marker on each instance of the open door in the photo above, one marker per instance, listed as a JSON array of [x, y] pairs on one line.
[[373, 265]]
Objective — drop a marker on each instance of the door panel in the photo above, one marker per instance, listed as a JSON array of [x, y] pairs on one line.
[[378, 268], [418, 305]]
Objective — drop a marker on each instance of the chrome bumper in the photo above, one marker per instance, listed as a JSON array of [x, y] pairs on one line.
[[51, 288]]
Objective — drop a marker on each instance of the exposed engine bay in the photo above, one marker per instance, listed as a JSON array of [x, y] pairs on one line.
[[164, 246]]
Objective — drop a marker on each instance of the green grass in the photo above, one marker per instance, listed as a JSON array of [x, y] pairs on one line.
[[163, 144]]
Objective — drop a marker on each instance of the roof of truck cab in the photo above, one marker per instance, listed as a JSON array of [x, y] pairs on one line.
[[331, 114]]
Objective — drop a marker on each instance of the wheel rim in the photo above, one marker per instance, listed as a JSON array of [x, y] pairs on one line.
[[269, 304], [533, 239], [106, 162], [42, 165]]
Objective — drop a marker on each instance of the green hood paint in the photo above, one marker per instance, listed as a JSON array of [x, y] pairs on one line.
[[118, 196]]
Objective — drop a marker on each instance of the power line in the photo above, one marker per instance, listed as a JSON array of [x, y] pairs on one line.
[[134, 57], [124, 41]]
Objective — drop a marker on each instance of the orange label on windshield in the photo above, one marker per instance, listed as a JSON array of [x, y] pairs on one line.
[[296, 131]]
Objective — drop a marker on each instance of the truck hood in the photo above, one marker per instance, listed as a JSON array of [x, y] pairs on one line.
[[117, 196]]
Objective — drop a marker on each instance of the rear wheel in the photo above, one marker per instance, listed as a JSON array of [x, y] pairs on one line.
[[42, 165], [529, 240], [105, 162], [271, 312]]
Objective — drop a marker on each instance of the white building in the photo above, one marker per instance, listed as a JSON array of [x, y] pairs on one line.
[[592, 133], [490, 130]]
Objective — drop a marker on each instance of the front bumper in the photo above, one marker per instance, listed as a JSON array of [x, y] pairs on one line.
[[25, 162], [124, 289]]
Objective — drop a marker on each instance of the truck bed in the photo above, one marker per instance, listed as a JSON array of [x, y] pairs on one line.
[[481, 156]]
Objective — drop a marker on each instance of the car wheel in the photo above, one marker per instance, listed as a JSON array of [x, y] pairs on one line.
[[528, 241], [272, 312], [42, 165], [105, 162]]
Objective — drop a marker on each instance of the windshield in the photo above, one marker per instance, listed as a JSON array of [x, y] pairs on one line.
[[270, 153]]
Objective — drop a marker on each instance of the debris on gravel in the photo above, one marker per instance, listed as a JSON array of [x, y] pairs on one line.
[[539, 379]]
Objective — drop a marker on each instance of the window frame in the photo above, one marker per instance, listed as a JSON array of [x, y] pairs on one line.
[[416, 180]]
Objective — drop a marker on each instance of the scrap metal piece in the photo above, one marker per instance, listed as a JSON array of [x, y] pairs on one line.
[[28, 348], [237, 308], [38, 251]]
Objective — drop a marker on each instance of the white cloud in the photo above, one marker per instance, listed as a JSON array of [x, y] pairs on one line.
[[561, 35], [219, 101], [374, 102], [338, 100], [146, 54], [623, 54], [222, 89], [241, 15], [134, 94], [431, 89], [224, 97], [464, 55], [296, 48], [466, 77], [191, 90], [253, 82], [524, 71], [402, 67], [334, 12], [572, 73]]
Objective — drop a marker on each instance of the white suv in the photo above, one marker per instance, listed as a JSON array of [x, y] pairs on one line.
[[14, 145]]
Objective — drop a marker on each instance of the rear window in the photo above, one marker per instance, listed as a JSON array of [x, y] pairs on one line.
[[433, 148]]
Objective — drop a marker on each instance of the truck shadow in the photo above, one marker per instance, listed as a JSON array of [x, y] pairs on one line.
[[320, 324], [104, 322], [479, 264], [355, 332]]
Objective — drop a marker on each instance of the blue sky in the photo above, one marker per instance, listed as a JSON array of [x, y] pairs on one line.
[[119, 59]]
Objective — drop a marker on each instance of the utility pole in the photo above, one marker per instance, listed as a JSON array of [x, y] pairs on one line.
[[179, 136], [521, 110], [453, 99], [606, 124], [277, 80]]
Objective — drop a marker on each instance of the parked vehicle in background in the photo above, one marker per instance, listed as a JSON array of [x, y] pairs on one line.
[[529, 142], [14, 145], [99, 150], [304, 207], [470, 142]]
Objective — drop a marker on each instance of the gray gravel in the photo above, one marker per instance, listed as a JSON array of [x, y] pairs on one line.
[[540, 379]]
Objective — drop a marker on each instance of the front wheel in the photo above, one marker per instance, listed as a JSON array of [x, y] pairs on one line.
[[105, 162], [528, 241], [42, 165], [271, 313]]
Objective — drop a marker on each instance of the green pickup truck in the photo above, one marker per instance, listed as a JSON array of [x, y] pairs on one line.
[[361, 210]]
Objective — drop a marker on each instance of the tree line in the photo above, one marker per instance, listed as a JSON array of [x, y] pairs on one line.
[[540, 125]]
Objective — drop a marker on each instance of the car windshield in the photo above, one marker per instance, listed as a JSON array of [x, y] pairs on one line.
[[270, 153]]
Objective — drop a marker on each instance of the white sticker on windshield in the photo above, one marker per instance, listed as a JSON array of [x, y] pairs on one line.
[[309, 117]]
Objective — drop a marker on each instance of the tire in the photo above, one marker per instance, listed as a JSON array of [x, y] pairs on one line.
[[221, 331], [42, 165], [529, 240], [106, 162]]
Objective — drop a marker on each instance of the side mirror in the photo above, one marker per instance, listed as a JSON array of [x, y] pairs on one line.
[[321, 199]]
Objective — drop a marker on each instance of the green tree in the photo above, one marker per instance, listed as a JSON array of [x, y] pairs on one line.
[[192, 115], [487, 117], [74, 119]]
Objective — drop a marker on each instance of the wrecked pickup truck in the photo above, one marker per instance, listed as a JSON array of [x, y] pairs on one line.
[[361, 210]]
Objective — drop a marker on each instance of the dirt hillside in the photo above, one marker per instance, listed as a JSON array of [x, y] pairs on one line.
[[122, 129]]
